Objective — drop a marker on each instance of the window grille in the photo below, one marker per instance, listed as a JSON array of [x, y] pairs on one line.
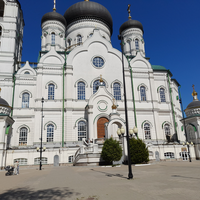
[[162, 95], [50, 132], [37, 161], [51, 91], [96, 86], [53, 38], [117, 91], [81, 90], [147, 131], [169, 155], [23, 136], [137, 44], [22, 161], [25, 100], [143, 93], [167, 129], [70, 159], [98, 62], [79, 40], [81, 130]]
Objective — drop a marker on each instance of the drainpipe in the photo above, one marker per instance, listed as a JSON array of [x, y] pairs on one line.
[[63, 106], [172, 105], [133, 96]]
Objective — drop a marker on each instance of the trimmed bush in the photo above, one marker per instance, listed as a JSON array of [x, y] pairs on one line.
[[139, 152], [112, 151]]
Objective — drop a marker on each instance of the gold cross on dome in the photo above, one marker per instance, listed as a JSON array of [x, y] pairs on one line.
[[129, 11], [54, 8]]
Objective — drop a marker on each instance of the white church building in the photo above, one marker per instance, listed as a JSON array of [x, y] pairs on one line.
[[79, 75]]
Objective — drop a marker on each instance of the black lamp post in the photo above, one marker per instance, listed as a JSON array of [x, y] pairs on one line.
[[130, 175], [41, 135]]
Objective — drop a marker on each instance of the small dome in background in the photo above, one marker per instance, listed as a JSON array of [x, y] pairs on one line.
[[53, 16], [131, 24]]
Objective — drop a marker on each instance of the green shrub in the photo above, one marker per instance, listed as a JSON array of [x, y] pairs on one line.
[[138, 151], [112, 151]]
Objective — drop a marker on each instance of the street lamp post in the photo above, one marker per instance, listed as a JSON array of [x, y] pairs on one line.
[[130, 175], [41, 135]]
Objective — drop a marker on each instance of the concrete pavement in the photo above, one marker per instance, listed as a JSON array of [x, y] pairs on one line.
[[158, 181]]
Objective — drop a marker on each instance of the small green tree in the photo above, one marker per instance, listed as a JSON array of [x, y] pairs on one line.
[[138, 151], [112, 151]]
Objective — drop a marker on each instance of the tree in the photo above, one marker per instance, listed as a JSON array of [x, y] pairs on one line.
[[112, 151], [138, 151]]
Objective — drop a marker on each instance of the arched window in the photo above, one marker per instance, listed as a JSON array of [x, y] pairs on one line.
[[69, 43], [26, 72], [81, 130], [23, 136], [143, 93], [191, 133], [25, 100], [167, 130], [117, 91], [1, 8], [79, 40], [50, 132], [147, 131], [96, 86], [162, 95], [129, 45], [137, 44], [81, 90], [53, 38], [51, 91], [90, 35]]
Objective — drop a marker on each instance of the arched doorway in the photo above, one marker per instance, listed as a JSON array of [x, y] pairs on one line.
[[101, 127]]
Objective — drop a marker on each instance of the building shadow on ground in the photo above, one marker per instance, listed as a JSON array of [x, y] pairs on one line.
[[30, 194], [110, 175]]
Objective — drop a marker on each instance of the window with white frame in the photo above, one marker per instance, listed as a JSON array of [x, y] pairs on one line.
[[117, 91], [169, 155], [98, 62], [147, 131], [191, 132], [81, 90], [69, 43], [90, 35], [22, 161], [25, 100], [51, 91], [82, 129], [53, 37], [96, 86], [79, 40], [37, 161], [143, 93], [137, 44], [70, 159], [50, 132], [167, 129], [23, 136], [162, 95], [184, 155]]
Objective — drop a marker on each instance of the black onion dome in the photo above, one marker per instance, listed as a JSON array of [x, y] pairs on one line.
[[194, 104], [91, 10], [131, 24], [3, 103], [53, 16]]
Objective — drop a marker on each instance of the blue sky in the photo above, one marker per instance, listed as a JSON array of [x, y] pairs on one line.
[[171, 33]]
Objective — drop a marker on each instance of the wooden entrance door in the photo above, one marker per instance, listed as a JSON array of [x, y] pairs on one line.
[[100, 127]]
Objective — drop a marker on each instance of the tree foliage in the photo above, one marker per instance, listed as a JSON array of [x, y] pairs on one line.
[[138, 151], [112, 151]]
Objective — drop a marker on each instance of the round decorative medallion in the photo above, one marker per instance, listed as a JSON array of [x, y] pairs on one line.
[[98, 62], [102, 105]]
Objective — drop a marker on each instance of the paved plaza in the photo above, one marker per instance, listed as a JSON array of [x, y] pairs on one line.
[[158, 181]]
